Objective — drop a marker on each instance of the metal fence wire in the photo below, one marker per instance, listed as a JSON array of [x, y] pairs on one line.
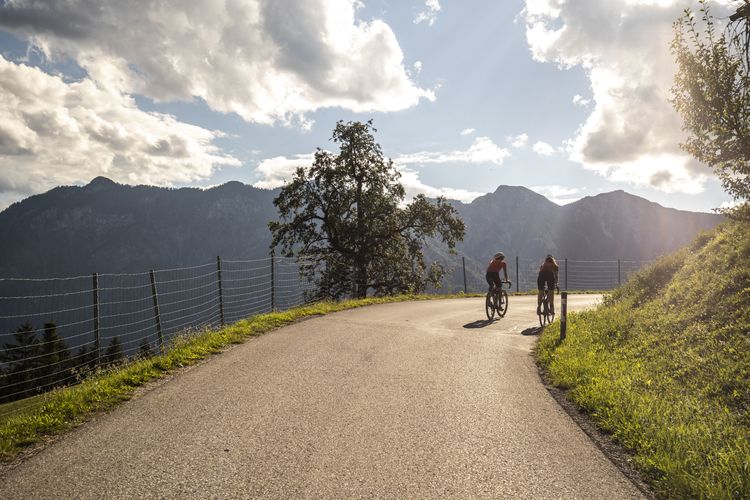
[[463, 275], [55, 332]]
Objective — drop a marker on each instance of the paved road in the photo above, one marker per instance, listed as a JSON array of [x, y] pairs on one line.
[[401, 401]]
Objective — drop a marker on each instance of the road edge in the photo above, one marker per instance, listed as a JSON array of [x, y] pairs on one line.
[[617, 454]]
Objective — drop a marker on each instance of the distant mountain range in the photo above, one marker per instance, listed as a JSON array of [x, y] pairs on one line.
[[110, 228]]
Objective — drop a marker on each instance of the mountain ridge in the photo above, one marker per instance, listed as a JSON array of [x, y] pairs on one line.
[[109, 227]]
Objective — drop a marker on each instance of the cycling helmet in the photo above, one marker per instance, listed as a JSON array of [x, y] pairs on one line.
[[499, 255], [549, 257]]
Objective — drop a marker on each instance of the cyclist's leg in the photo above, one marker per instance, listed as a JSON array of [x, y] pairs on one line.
[[493, 279], [551, 295], [540, 288]]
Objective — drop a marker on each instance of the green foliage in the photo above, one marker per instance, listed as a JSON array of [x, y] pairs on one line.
[[114, 353], [31, 365], [345, 215], [144, 348], [712, 93], [664, 365]]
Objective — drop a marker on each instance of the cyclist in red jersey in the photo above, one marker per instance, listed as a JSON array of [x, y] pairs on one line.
[[493, 270], [548, 275]]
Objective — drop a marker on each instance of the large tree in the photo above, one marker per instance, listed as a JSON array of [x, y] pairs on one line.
[[712, 93], [346, 216]]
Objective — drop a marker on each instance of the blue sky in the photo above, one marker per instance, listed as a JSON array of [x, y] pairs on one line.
[[568, 98]]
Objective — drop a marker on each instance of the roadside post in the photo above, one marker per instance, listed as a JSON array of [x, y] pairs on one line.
[[564, 317], [463, 264]]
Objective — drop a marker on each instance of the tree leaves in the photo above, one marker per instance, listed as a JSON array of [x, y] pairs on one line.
[[712, 93], [346, 215]]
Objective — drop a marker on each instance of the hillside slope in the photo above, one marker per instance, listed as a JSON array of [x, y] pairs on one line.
[[664, 365], [107, 227]]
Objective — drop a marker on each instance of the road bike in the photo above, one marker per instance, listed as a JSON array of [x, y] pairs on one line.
[[547, 309], [496, 301]]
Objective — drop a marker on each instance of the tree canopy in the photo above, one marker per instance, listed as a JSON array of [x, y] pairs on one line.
[[346, 217], [712, 93]]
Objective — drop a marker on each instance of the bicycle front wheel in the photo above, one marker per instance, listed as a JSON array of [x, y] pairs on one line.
[[488, 306], [503, 306]]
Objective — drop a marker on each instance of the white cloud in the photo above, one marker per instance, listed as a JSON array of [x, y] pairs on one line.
[[542, 148], [56, 133], [468, 131], [482, 150], [579, 100], [429, 14], [414, 186], [562, 195], [633, 133], [519, 141], [730, 204], [277, 171], [418, 67], [267, 61]]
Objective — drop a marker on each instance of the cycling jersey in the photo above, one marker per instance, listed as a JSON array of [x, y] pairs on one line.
[[547, 275], [496, 265], [549, 267]]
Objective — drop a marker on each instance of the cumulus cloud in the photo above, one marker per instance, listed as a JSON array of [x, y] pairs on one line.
[[519, 141], [632, 133], [54, 133], [429, 13], [542, 148], [482, 150], [562, 195], [277, 171], [267, 61], [414, 186], [468, 131]]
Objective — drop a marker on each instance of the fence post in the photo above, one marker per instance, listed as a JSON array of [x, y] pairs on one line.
[[618, 272], [566, 274], [564, 317], [159, 334], [97, 339], [273, 291], [221, 294], [463, 264], [517, 282]]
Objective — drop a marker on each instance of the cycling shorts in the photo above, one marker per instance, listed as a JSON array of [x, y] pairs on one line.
[[545, 278], [493, 279]]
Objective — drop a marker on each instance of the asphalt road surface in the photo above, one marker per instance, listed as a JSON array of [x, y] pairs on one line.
[[406, 400]]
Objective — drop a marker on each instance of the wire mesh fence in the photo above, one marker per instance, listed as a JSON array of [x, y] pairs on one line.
[[463, 275], [55, 332]]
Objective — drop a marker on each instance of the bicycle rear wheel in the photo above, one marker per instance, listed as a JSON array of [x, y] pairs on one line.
[[503, 305], [543, 311], [489, 308]]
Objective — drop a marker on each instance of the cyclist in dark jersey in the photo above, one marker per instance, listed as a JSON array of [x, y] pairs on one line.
[[548, 274], [493, 270]]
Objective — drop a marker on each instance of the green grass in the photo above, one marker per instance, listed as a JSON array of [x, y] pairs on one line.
[[664, 366], [32, 419]]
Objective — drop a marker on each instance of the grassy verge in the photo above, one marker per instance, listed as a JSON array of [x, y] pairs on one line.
[[664, 366], [35, 418]]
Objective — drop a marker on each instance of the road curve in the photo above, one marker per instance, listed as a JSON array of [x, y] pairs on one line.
[[403, 400]]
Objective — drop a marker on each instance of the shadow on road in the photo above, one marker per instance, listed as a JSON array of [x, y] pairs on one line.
[[534, 330], [480, 323]]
